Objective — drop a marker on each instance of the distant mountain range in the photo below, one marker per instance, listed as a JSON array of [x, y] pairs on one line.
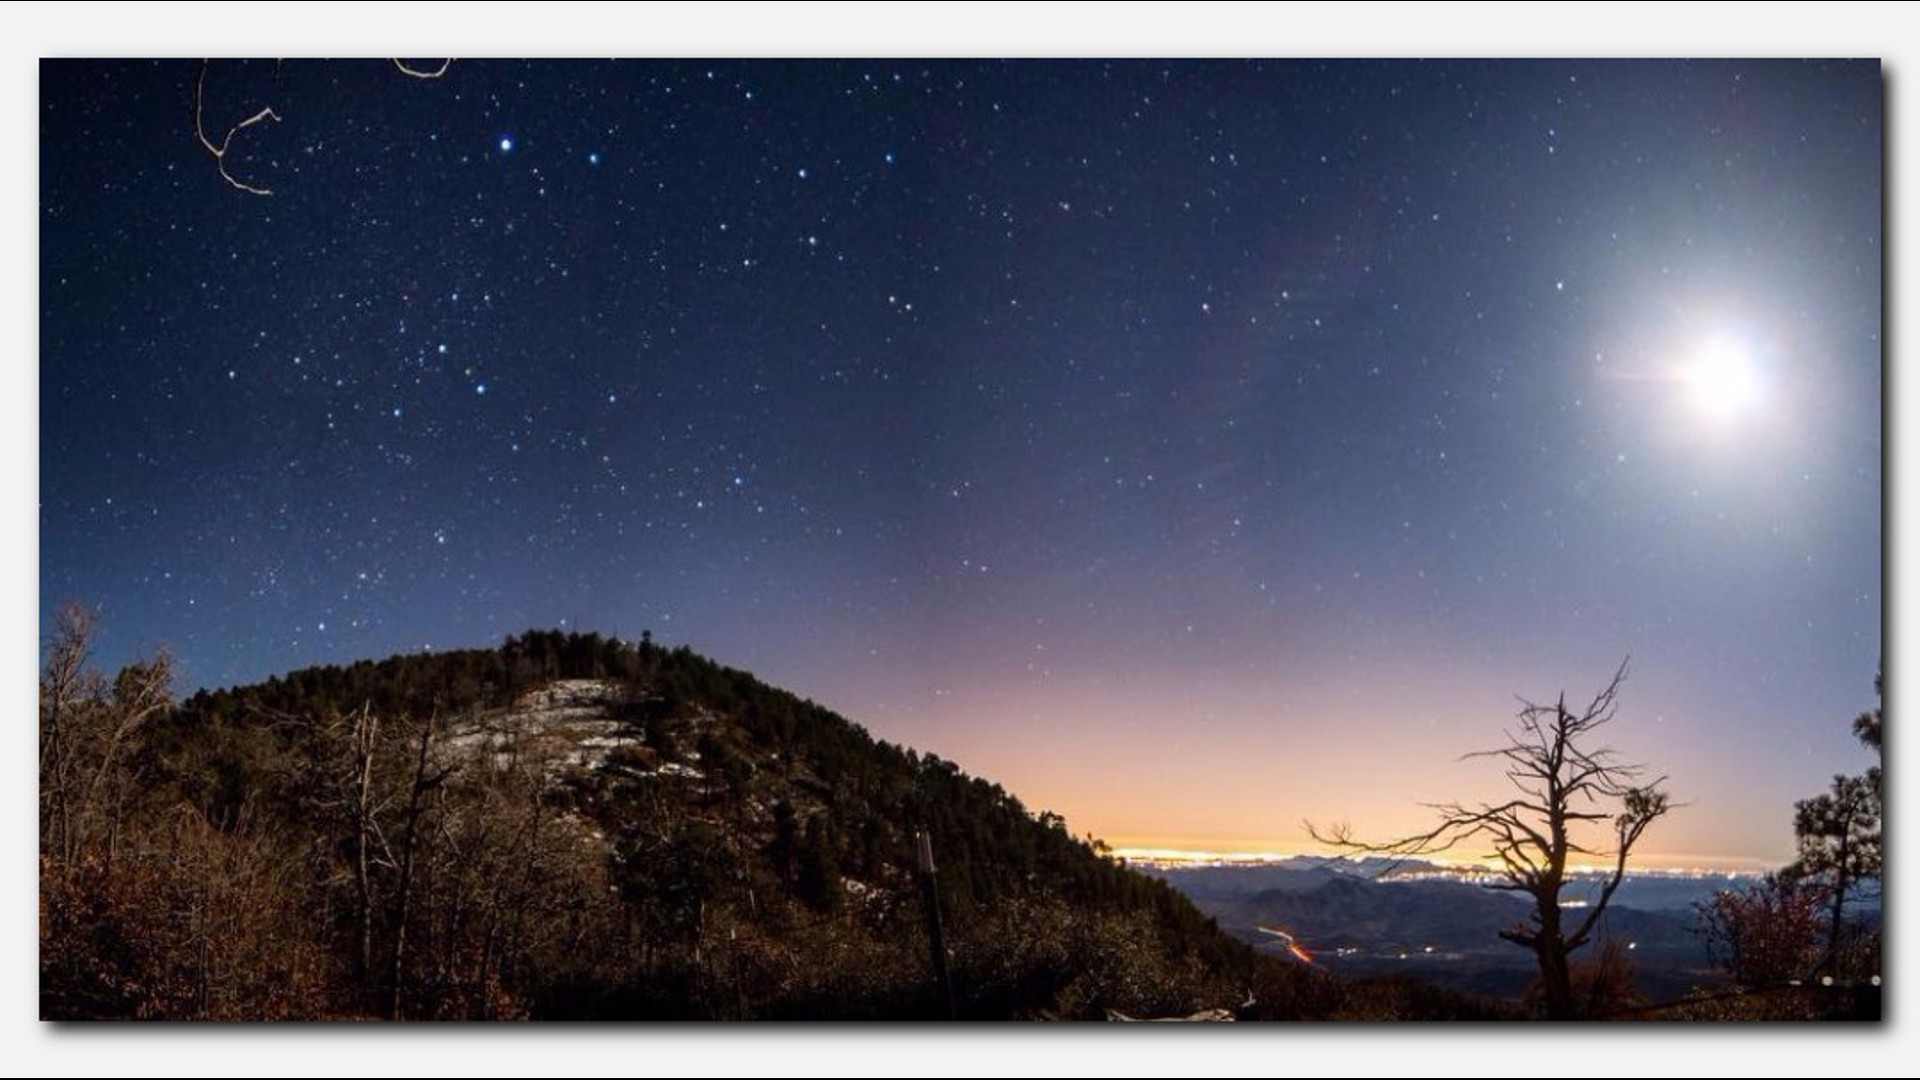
[[1367, 917]]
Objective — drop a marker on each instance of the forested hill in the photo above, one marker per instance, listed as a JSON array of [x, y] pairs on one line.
[[571, 826]]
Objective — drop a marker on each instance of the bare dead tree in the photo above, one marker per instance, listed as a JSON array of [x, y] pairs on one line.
[[69, 689], [86, 724], [141, 691], [1569, 791], [365, 735], [426, 780]]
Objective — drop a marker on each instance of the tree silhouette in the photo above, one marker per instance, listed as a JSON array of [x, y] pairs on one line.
[[1568, 790], [87, 725], [1839, 834], [1769, 932]]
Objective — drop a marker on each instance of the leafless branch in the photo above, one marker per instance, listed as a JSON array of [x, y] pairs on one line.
[[419, 74], [1568, 791], [220, 152]]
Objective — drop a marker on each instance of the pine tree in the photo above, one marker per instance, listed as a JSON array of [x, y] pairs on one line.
[[1839, 834]]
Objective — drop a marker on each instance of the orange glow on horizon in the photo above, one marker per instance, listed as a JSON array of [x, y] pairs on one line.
[[1161, 852], [1238, 775]]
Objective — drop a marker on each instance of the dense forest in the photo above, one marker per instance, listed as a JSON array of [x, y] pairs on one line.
[[572, 826]]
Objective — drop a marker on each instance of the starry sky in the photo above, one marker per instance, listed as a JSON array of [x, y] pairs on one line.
[[1193, 447]]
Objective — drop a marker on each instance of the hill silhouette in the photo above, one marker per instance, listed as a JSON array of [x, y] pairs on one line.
[[571, 826]]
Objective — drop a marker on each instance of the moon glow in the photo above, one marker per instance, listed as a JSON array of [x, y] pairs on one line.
[[1725, 380]]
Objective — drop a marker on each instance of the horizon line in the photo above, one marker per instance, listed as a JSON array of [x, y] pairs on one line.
[[1690, 864]]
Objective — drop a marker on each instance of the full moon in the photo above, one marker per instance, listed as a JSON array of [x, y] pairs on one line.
[[1725, 379]]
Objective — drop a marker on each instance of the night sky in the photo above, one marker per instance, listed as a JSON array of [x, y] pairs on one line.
[[1192, 447]]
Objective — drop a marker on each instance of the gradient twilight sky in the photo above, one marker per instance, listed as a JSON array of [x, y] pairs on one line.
[[1191, 447]]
